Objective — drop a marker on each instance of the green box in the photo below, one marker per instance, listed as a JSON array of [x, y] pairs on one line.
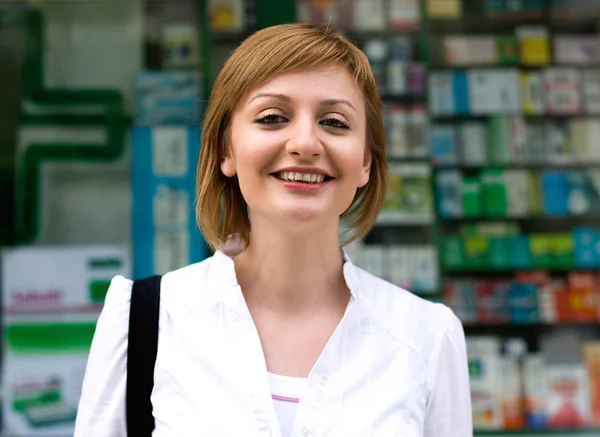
[[453, 256], [471, 196], [508, 50], [540, 251], [98, 290], [477, 252], [49, 337], [493, 193], [498, 141], [562, 251]]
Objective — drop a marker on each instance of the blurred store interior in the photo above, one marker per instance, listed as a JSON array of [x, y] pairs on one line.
[[493, 134]]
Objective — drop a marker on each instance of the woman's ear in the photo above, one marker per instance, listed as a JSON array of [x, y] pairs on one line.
[[365, 174], [227, 167]]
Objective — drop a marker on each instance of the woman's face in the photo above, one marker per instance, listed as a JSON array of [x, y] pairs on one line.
[[298, 147]]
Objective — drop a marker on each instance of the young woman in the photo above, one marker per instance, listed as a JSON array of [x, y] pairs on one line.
[[286, 337]]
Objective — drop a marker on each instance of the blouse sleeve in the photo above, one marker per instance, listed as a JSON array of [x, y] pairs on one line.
[[101, 410], [449, 405]]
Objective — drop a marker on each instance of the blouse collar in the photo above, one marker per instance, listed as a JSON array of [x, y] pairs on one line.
[[222, 272]]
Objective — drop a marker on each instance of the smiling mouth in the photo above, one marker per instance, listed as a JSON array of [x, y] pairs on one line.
[[307, 178]]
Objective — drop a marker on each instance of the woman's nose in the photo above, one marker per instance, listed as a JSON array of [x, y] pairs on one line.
[[304, 141]]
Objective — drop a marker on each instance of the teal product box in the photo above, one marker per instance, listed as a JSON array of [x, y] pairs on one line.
[[583, 192], [587, 248], [167, 98], [499, 252], [164, 231], [520, 252], [460, 86], [442, 145], [523, 305], [448, 186]]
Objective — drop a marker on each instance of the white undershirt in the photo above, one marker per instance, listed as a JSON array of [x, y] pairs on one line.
[[286, 392]]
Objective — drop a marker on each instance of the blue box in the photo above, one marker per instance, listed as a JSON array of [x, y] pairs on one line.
[[555, 191], [448, 188], [587, 248], [523, 303], [442, 145], [500, 252], [167, 98], [460, 86], [520, 252], [165, 235]]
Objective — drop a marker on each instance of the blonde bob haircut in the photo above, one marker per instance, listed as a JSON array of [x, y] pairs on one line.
[[220, 208]]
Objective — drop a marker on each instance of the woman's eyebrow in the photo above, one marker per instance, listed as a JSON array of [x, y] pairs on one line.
[[287, 99], [333, 102], [277, 96]]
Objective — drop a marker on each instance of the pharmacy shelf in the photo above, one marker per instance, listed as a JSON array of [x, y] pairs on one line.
[[441, 67], [480, 21], [525, 218], [548, 432], [499, 327], [393, 219], [541, 116], [483, 272], [520, 165]]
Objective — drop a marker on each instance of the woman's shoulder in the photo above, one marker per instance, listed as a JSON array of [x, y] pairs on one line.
[[410, 319], [183, 288], [176, 286]]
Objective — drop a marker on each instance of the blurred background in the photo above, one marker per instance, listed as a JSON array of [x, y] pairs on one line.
[[492, 115]]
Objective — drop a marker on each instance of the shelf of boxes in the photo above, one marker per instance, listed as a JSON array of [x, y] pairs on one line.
[[514, 104]]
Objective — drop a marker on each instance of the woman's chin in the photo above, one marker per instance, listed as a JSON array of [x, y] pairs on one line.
[[304, 215]]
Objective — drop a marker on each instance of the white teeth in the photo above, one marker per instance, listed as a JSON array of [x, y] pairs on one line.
[[310, 178]]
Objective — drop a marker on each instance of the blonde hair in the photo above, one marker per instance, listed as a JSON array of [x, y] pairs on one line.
[[220, 207]]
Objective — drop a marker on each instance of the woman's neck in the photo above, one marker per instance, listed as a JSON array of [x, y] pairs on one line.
[[292, 273]]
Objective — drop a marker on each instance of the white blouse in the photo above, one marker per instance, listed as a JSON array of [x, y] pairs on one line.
[[395, 366]]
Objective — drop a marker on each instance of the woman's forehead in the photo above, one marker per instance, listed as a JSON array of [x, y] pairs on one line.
[[331, 82]]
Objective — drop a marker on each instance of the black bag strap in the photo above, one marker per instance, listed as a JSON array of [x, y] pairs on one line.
[[141, 355]]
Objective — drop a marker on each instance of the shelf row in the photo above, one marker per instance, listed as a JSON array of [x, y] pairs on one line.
[[493, 193], [502, 248]]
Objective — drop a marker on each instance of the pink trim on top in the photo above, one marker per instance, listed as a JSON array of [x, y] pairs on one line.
[[284, 398]]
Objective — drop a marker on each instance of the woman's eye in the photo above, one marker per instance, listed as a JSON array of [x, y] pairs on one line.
[[271, 119], [334, 122]]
